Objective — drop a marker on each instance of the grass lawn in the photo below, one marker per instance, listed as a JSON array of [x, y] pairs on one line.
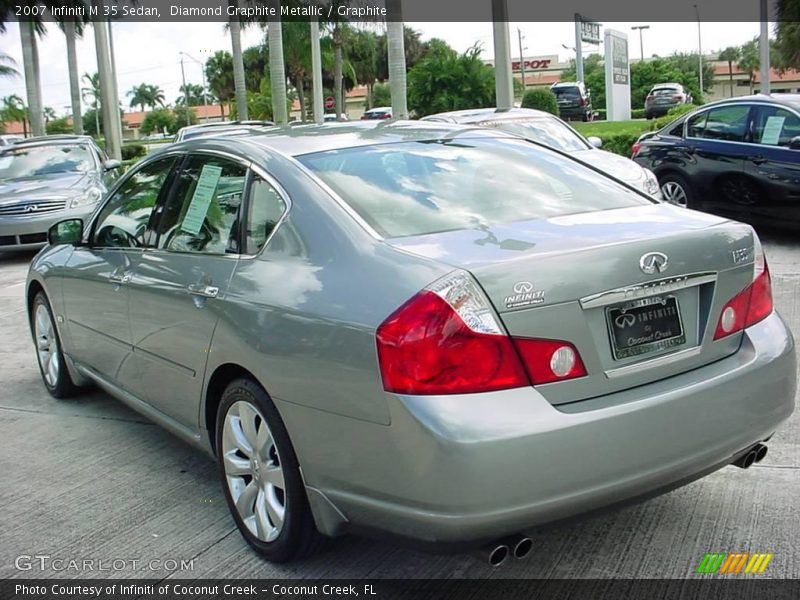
[[604, 129]]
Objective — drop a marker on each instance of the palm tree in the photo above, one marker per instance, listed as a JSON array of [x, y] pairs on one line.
[[144, 94], [238, 64], [73, 30], [6, 70], [219, 70], [49, 115], [277, 74], [396, 59], [750, 61], [730, 54], [194, 92], [93, 91], [14, 109]]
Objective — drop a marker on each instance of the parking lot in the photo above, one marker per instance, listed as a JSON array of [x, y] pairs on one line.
[[89, 479]]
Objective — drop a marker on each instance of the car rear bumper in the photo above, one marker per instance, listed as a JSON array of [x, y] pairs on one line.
[[30, 232], [477, 467]]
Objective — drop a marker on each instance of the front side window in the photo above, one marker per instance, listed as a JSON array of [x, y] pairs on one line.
[[202, 215], [775, 126], [41, 161], [414, 188], [123, 221], [726, 123]]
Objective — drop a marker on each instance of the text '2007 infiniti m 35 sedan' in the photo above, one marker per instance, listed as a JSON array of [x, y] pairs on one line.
[[430, 331]]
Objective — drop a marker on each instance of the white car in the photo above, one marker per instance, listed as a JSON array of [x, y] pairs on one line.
[[547, 129]]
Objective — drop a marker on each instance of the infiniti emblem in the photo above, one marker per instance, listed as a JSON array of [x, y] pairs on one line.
[[625, 320], [523, 287], [31, 208], [653, 262]]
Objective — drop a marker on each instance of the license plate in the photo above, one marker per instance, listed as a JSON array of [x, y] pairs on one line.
[[645, 325]]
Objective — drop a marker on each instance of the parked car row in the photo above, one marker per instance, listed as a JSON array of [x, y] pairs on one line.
[[431, 331]]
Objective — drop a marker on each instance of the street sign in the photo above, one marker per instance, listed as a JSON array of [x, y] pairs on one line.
[[329, 102], [590, 32]]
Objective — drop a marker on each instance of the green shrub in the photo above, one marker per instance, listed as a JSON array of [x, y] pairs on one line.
[[637, 113], [58, 126], [620, 143], [541, 99], [600, 114], [133, 151], [381, 95], [673, 114]]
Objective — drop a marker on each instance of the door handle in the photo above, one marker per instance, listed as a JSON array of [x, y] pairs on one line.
[[204, 291], [691, 149], [119, 278], [757, 159]]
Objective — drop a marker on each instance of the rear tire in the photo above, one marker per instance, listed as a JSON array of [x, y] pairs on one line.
[[675, 189], [261, 476], [49, 354]]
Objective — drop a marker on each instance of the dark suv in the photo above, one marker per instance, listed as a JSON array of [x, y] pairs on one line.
[[739, 156], [574, 100]]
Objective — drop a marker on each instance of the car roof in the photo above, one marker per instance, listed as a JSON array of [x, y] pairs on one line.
[[667, 85], [479, 115], [49, 140], [790, 100], [298, 140], [380, 109]]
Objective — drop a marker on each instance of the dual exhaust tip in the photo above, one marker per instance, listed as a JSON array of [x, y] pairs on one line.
[[753, 455], [517, 546], [520, 546]]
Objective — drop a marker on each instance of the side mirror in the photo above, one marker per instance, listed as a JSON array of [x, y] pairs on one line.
[[112, 164], [595, 141], [69, 231], [794, 144]]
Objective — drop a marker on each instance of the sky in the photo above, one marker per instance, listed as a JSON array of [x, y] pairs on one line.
[[149, 52]]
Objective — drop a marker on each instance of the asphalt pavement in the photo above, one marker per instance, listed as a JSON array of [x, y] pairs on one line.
[[87, 479]]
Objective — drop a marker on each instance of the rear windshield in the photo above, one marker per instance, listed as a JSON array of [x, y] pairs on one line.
[[664, 91], [567, 92], [415, 188], [550, 132]]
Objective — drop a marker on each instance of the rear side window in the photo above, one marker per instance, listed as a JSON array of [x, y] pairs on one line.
[[775, 126], [265, 209], [202, 213], [414, 188]]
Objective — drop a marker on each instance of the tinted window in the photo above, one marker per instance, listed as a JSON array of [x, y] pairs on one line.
[[550, 132], [728, 123], [571, 93], [414, 188], [122, 222], [39, 161], [773, 126], [203, 213], [265, 209]]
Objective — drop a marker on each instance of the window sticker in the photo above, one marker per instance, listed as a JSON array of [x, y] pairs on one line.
[[772, 131], [201, 199]]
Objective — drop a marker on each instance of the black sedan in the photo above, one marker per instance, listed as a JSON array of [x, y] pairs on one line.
[[739, 156]]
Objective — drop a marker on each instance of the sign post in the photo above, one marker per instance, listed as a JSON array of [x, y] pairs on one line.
[[618, 76], [588, 32]]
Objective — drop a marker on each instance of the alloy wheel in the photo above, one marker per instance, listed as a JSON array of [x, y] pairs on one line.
[[253, 471], [46, 345], [674, 193]]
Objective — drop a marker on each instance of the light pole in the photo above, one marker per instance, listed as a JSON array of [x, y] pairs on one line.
[[521, 59], [203, 74], [699, 48], [641, 43]]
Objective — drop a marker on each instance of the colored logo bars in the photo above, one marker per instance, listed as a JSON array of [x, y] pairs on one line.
[[742, 562]]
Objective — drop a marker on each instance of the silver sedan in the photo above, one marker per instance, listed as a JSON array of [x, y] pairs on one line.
[[439, 333]]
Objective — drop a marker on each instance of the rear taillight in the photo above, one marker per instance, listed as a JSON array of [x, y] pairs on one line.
[[678, 97], [385, 116], [635, 149], [582, 102], [752, 304], [445, 340], [649, 97], [550, 360]]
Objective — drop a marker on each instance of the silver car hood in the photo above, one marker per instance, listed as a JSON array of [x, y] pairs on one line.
[[53, 186], [613, 164]]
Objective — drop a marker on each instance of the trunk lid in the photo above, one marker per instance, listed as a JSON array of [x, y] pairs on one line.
[[569, 278]]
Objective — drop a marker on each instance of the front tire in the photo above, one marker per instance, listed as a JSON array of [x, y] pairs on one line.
[[676, 190], [261, 476], [49, 354]]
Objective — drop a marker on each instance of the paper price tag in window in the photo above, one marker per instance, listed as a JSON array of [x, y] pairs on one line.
[[201, 199], [772, 131]]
